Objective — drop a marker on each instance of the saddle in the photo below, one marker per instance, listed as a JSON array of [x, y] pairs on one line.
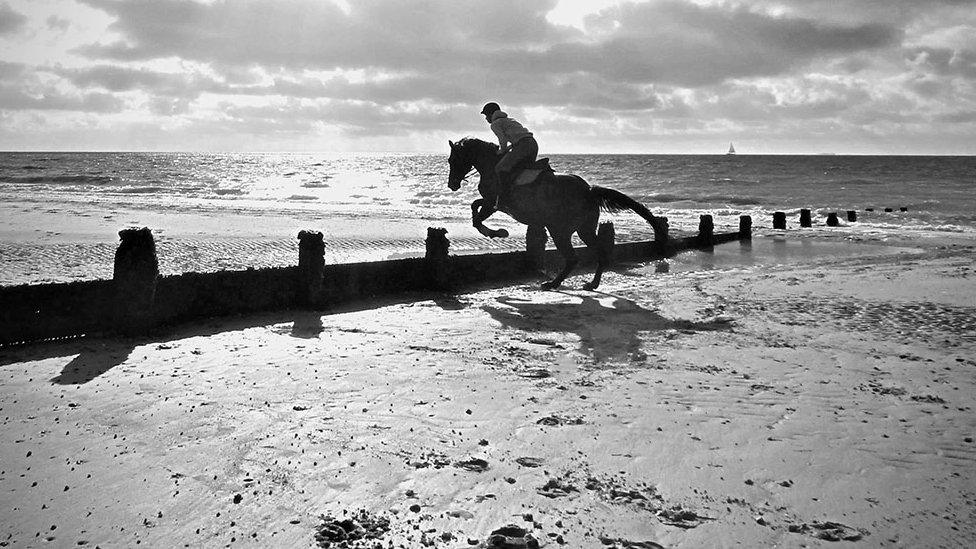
[[533, 172]]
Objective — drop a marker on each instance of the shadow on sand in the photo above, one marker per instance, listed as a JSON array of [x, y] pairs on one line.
[[99, 354], [609, 327]]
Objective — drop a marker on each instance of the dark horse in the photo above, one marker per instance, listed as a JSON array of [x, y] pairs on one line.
[[563, 204]]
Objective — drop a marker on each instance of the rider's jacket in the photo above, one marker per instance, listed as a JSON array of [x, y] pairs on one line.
[[508, 130]]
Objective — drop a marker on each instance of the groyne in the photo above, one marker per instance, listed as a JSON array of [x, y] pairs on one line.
[[138, 300]]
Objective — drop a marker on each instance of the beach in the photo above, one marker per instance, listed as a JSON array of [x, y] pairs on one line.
[[812, 392]]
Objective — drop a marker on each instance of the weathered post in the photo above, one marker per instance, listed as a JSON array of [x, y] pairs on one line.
[[888, 210], [606, 237], [706, 228], [535, 247], [436, 258], [311, 268], [661, 230], [779, 220], [832, 219], [745, 227], [805, 220], [851, 216], [135, 274], [903, 209], [869, 209]]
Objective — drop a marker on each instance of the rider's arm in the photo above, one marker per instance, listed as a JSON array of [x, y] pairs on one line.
[[499, 132]]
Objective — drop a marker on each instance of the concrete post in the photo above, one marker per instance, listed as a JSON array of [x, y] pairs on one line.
[[135, 273], [535, 246], [311, 268], [745, 227], [779, 220], [832, 219], [851, 216], [436, 259], [805, 220]]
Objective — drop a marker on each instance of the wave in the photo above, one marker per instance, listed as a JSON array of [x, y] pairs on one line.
[[706, 199], [142, 190], [64, 179]]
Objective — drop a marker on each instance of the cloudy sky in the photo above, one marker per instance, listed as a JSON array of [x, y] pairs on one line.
[[656, 76]]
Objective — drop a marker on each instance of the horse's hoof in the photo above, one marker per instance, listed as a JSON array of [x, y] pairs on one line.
[[549, 285], [590, 286], [501, 233]]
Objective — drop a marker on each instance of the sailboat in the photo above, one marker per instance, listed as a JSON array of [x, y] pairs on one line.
[[731, 149]]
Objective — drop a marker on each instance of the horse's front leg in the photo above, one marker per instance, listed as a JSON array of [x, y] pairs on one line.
[[480, 211]]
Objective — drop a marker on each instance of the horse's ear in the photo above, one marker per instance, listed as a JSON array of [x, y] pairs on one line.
[[451, 143]]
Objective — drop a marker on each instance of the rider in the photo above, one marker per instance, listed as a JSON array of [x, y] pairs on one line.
[[515, 142]]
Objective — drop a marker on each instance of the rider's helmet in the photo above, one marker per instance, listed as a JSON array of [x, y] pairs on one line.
[[490, 108]]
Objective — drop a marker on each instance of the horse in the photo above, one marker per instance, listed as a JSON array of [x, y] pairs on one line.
[[559, 203]]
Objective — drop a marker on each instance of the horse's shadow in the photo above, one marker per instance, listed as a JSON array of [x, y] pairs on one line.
[[609, 327]]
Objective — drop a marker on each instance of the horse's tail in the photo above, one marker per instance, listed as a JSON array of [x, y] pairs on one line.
[[616, 201]]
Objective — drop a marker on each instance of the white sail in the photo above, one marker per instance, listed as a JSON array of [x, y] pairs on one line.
[[731, 149]]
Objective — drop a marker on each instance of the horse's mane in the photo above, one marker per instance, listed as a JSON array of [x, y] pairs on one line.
[[476, 143]]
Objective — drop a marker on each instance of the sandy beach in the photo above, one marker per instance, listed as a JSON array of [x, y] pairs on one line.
[[818, 402]]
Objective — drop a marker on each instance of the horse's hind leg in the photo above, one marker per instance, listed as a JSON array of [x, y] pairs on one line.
[[562, 240]]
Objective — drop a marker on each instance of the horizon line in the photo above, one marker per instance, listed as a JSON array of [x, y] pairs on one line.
[[366, 152]]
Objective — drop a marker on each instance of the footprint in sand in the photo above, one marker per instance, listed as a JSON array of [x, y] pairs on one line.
[[474, 464], [682, 518], [828, 531], [553, 420], [556, 489], [529, 461]]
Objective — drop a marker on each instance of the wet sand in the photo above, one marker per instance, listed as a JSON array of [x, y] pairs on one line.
[[752, 405]]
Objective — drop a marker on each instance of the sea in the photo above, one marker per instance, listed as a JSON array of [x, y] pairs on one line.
[[243, 209]]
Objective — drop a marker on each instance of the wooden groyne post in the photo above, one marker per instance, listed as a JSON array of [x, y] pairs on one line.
[[436, 258], [662, 236], [535, 246], [805, 220], [745, 227], [706, 231], [135, 275], [832, 219], [311, 268], [851, 216], [779, 220]]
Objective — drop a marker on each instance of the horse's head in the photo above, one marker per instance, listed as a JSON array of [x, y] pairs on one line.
[[460, 164]]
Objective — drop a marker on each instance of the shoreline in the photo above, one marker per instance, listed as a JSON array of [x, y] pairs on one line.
[[759, 405]]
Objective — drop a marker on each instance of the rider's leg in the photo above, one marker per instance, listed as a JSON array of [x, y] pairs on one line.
[[522, 153]]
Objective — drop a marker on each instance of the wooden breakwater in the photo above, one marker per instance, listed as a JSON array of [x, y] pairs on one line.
[[138, 299]]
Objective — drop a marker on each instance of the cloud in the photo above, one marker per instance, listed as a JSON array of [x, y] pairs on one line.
[[10, 20], [115, 78], [12, 98], [666, 42], [626, 76], [54, 22]]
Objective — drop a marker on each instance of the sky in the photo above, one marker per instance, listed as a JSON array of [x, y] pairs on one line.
[[597, 76]]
